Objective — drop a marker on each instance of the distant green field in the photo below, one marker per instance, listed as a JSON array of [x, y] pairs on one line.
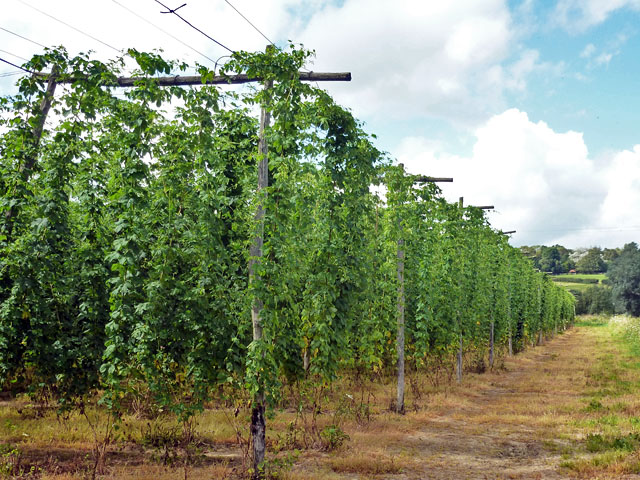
[[579, 287], [579, 281], [570, 276]]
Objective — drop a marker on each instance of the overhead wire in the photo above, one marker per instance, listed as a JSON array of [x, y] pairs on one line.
[[162, 30], [258, 30], [250, 23], [22, 37], [70, 26], [14, 55], [190, 24], [9, 74], [16, 66]]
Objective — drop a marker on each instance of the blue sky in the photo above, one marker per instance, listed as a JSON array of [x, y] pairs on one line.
[[596, 91], [531, 106]]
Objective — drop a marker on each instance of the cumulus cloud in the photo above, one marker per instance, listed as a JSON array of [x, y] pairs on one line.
[[449, 60], [616, 217], [543, 183]]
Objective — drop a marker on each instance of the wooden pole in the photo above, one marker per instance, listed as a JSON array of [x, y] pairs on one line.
[[400, 339], [258, 423], [459, 356], [400, 306], [491, 340], [509, 316], [402, 299], [184, 80], [26, 169], [424, 179]]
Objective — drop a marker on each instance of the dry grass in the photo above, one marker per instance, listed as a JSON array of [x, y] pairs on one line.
[[565, 409], [367, 464]]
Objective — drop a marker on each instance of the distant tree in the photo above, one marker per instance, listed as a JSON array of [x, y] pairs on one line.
[[595, 299], [610, 254], [554, 259], [533, 253], [624, 277], [592, 262]]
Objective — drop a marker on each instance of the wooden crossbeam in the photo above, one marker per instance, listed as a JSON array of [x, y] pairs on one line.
[[183, 80], [424, 179]]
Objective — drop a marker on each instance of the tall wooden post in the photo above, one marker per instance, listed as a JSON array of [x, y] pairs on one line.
[[400, 343], [400, 315], [258, 424], [36, 134], [401, 300], [509, 316], [459, 356], [491, 340]]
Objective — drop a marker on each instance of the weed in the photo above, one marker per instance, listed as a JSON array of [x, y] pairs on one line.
[[333, 437], [163, 439], [277, 468], [9, 460], [11, 463], [594, 406], [610, 420], [293, 437], [596, 442]]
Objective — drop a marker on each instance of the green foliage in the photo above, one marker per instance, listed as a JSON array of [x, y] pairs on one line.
[[592, 262], [593, 300], [596, 442], [624, 277], [333, 437], [575, 279], [124, 236], [555, 259]]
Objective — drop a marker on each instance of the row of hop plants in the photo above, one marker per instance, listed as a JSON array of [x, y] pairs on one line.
[[125, 233]]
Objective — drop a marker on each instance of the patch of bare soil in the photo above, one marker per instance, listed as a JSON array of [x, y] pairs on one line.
[[513, 423], [471, 441]]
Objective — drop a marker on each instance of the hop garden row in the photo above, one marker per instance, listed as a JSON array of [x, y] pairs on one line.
[[125, 235]]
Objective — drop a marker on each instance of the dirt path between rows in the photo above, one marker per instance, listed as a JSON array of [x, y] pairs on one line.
[[498, 432], [527, 420]]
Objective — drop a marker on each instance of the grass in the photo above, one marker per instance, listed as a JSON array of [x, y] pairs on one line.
[[566, 407], [572, 281], [366, 464], [578, 287], [579, 276]]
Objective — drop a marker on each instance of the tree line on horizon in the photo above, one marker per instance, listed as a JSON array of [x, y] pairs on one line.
[[557, 259], [618, 293]]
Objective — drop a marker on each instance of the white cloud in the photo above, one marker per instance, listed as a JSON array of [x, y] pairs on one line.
[[603, 58], [543, 183], [588, 51], [446, 60], [578, 15]]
